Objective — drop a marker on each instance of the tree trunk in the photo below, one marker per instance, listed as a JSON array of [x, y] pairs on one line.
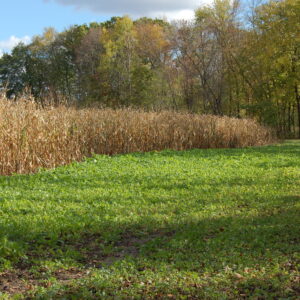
[[298, 107]]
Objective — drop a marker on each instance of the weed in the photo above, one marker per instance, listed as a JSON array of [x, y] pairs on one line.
[[196, 224]]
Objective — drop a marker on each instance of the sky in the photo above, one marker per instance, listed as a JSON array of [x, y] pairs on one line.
[[22, 19]]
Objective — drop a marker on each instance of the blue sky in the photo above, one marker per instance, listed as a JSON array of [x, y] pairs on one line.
[[29, 17], [22, 19]]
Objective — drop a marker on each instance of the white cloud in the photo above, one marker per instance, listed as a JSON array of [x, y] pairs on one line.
[[154, 8], [185, 14], [9, 44]]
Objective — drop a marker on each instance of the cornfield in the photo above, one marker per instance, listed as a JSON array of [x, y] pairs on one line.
[[33, 137]]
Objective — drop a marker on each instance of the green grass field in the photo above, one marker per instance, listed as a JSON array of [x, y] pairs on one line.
[[199, 224]]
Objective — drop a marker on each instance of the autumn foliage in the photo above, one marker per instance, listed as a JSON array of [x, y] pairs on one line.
[[236, 60]]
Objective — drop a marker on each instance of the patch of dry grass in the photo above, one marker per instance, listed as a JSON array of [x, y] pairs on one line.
[[32, 137]]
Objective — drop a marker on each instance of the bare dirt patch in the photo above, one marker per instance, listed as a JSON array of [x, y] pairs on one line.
[[21, 281], [16, 282], [128, 245]]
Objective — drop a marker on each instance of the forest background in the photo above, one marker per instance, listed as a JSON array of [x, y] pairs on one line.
[[230, 60]]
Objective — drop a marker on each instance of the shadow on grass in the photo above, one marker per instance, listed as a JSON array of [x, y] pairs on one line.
[[213, 245], [290, 148], [191, 245]]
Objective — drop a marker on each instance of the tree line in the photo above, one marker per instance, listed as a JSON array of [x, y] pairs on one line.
[[230, 60]]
